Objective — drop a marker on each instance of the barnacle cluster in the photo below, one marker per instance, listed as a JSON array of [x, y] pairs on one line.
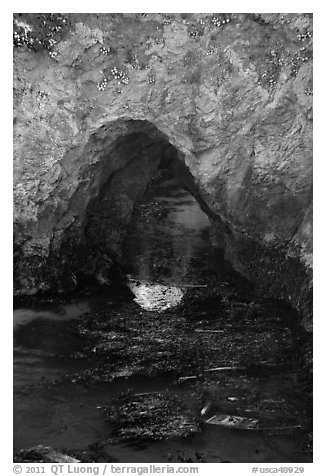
[[42, 95], [105, 51], [304, 36], [22, 36], [300, 56], [39, 31], [135, 64], [167, 21], [193, 33], [268, 79], [102, 85], [219, 21], [276, 58], [21, 39], [119, 75]]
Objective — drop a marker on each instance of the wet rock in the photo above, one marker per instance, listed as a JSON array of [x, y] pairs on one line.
[[307, 444], [43, 454], [123, 343], [231, 421], [150, 417], [128, 341], [95, 453]]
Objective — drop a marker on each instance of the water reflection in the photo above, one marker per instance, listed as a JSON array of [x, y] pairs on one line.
[[52, 312], [155, 297], [168, 237]]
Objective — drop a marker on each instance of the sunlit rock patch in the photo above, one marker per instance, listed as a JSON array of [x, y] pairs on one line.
[[156, 297]]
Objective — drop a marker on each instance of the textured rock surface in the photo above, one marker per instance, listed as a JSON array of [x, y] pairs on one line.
[[231, 93], [43, 454]]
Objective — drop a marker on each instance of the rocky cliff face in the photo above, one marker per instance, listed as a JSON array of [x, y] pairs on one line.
[[99, 99]]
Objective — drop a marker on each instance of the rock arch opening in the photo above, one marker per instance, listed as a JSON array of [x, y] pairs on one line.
[[135, 168], [167, 239]]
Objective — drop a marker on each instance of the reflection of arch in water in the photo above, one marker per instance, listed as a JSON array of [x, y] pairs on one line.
[[165, 233]]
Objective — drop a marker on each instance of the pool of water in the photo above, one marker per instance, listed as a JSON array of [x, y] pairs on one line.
[[53, 410], [168, 236]]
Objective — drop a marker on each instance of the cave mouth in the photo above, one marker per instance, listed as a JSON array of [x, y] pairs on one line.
[[144, 212], [168, 239]]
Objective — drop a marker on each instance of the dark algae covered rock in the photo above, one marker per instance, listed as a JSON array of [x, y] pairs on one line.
[[152, 416]]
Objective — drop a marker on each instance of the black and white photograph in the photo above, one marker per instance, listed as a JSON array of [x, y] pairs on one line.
[[162, 240]]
